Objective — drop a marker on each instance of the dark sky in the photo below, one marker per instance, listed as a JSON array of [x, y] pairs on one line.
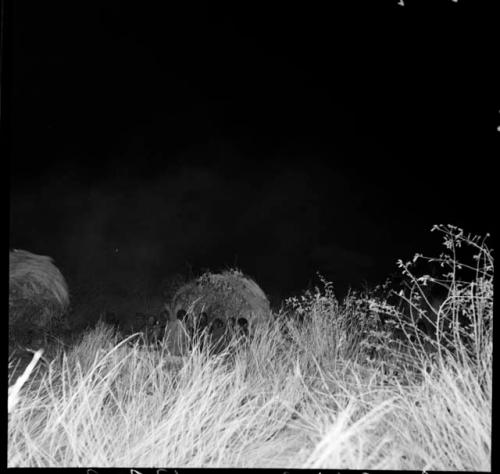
[[282, 141]]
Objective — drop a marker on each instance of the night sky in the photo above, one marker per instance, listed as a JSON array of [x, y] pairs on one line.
[[280, 141]]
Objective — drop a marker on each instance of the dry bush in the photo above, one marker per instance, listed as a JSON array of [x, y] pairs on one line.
[[406, 323], [447, 310]]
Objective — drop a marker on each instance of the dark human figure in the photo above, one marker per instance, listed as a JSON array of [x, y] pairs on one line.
[[217, 333], [203, 321], [181, 315], [112, 318], [243, 326]]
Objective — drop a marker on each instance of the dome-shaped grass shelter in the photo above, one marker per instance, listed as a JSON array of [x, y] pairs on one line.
[[221, 302], [38, 294]]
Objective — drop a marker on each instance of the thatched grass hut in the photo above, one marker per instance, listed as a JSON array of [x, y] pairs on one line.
[[220, 302], [38, 293]]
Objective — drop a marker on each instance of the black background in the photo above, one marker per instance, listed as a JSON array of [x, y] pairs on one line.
[[282, 139]]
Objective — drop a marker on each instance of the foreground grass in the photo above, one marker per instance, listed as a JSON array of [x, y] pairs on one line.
[[301, 394], [260, 407]]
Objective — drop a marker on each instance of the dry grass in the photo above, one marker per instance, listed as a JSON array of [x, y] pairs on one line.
[[302, 392]]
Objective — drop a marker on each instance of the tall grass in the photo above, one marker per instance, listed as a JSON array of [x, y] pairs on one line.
[[307, 390]]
